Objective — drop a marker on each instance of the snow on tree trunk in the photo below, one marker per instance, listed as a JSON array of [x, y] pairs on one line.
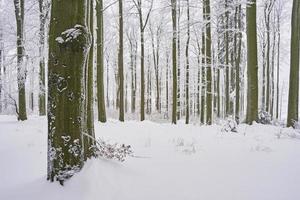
[[19, 12], [69, 43]]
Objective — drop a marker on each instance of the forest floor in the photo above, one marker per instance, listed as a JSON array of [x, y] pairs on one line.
[[182, 162]]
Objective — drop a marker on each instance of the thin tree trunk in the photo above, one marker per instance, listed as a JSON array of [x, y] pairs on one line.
[[187, 94], [90, 85], [100, 62], [120, 63], [19, 12], [174, 62], [42, 80]]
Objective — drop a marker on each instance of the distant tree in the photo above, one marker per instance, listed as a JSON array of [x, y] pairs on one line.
[[174, 62], [43, 8], [121, 63], [208, 62], [19, 12], [142, 24], [187, 75]]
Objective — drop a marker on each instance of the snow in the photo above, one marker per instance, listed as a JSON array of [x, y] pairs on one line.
[[70, 34], [260, 162]]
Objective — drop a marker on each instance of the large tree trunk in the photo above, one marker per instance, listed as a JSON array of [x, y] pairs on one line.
[[69, 43], [293, 104], [100, 62], [252, 89], [19, 11]]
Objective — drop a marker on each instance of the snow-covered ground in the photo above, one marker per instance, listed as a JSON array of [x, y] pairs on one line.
[[174, 163]]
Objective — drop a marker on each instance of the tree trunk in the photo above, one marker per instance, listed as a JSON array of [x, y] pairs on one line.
[[69, 42], [120, 63], [239, 38], [178, 61], [90, 85], [226, 40], [209, 99], [100, 62], [252, 90], [174, 62], [187, 75], [293, 104], [19, 11], [42, 94]]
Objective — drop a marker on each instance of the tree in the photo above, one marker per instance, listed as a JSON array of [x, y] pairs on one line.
[[100, 62], [155, 43], [293, 109], [226, 41], [174, 60], [267, 13], [143, 24], [43, 8], [120, 63], [208, 57], [19, 12], [238, 46], [133, 62], [252, 66], [187, 76], [90, 83], [69, 43]]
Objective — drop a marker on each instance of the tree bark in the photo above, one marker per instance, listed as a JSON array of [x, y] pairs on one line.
[[100, 62], [293, 103], [120, 62], [69, 43], [19, 12], [174, 61], [252, 67]]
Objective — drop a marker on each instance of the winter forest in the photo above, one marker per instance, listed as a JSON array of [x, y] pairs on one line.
[[149, 99]]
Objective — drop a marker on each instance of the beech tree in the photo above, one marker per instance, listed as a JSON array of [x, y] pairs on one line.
[[120, 63], [174, 62], [43, 8], [208, 62], [293, 104], [142, 24], [187, 76], [252, 65], [100, 62], [69, 44], [19, 12]]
